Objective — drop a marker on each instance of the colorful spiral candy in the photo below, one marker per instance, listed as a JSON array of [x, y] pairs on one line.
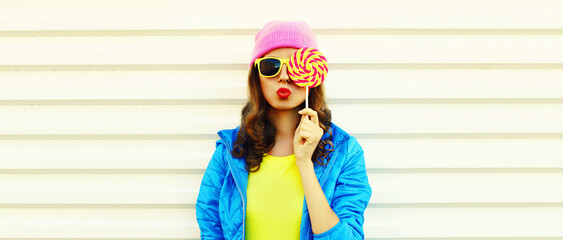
[[307, 67]]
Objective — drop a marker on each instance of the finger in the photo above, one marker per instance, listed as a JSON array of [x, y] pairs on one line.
[[302, 121], [314, 117], [309, 125], [312, 113], [304, 116], [299, 126]]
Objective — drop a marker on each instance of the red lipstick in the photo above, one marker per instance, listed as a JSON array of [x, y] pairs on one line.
[[283, 92]]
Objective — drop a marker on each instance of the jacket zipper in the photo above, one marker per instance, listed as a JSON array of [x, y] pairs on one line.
[[240, 192], [242, 199]]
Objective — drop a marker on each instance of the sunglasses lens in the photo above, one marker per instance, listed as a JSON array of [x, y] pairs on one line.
[[269, 66]]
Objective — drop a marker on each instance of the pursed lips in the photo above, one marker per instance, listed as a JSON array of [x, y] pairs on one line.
[[283, 92]]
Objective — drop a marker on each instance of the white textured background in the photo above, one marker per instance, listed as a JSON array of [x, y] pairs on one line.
[[109, 112]]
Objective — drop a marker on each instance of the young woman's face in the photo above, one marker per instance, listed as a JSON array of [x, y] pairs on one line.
[[276, 88]]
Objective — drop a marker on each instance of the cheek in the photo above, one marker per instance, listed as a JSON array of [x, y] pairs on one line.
[[262, 84], [299, 91], [266, 88]]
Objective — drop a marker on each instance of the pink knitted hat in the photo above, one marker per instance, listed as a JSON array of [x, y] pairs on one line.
[[276, 34]]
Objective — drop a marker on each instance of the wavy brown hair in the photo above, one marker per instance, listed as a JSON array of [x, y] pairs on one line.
[[256, 135]]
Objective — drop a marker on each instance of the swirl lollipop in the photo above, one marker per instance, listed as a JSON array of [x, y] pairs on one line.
[[307, 68]]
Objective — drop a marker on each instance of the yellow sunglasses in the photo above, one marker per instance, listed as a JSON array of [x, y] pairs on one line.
[[270, 66]]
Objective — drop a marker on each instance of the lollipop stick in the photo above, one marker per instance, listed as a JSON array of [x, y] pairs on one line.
[[307, 99], [306, 96]]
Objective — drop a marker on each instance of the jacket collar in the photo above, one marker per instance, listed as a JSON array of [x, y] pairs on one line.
[[237, 165]]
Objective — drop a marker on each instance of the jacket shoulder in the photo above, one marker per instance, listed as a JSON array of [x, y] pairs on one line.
[[341, 137], [229, 135], [349, 143]]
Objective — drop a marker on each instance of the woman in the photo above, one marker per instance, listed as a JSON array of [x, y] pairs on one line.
[[286, 172]]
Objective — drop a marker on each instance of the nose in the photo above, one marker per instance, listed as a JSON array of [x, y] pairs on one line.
[[284, 77]]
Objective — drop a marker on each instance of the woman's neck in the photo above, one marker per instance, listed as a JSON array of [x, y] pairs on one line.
[[285, 122]]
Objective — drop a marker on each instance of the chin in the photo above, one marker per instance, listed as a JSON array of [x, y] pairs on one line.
[[284, 106]]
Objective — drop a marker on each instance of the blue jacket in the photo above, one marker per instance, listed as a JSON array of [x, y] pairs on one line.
[[221, 202]]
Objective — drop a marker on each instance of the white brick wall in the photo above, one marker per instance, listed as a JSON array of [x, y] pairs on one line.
[[109, 112]]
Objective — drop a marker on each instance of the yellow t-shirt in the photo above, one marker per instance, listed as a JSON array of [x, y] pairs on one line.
[[275, 200]]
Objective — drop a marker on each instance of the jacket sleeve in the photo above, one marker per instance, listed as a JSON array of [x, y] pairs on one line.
[[351, 197], [207, 205]]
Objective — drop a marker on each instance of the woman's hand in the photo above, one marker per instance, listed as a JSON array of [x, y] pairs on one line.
[[307, 136]]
